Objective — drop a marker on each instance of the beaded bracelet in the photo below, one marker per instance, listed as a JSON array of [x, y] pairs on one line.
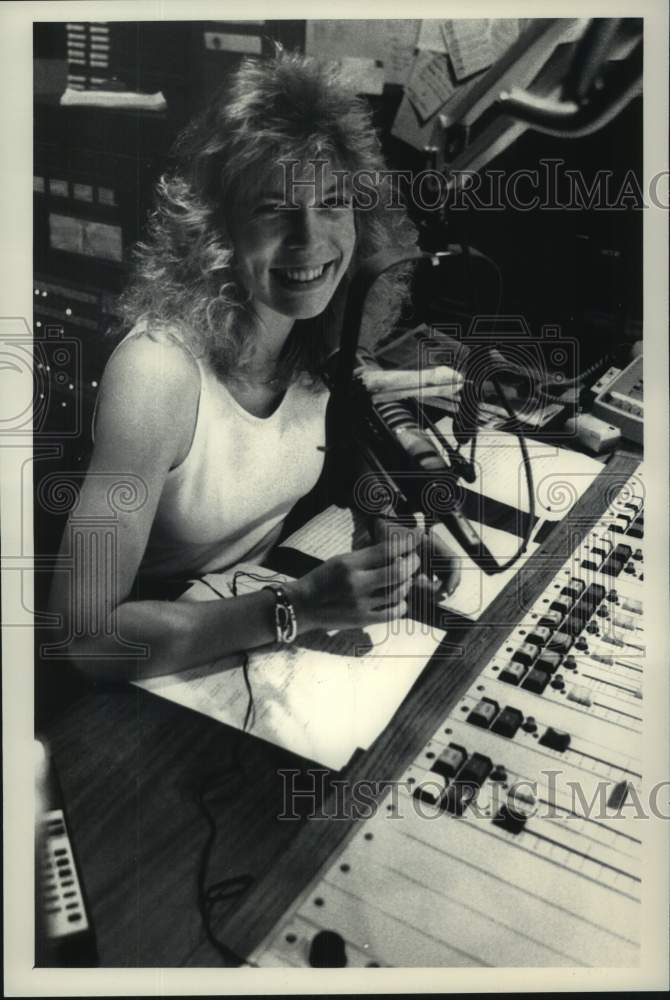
[[286, 624]]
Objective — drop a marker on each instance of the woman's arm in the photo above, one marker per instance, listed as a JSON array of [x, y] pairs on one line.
[[146, 417]]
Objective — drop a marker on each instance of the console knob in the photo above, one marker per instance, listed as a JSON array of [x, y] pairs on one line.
[[327, 951]]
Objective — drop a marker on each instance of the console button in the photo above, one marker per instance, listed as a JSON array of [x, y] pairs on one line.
[[536, 681], [508, 722], [483, 713], [555, 739]]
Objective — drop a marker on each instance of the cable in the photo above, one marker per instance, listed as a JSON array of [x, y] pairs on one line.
[[530, 521], [209, 896], [478, 255]]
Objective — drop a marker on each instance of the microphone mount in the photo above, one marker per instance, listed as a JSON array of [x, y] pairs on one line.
[[418, 470]]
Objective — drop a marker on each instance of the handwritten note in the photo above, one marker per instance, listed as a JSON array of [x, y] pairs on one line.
[[431, 36], [409, 127], [469, 45], [503, 32], [429, 85]]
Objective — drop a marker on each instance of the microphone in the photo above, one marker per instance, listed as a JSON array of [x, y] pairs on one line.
[[418, 470], [417, 466]]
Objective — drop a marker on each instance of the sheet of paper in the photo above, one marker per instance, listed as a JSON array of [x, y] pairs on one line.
[[452, 110], [363, 76], [477, 589], [408, 126], [468, 45], [330, 533], [322, 697], [560, 476], [461, 108], [431, 36], [391, 41], [503, 32], [429, 85]]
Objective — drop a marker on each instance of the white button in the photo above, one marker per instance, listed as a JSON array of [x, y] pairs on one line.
[[580, 694]]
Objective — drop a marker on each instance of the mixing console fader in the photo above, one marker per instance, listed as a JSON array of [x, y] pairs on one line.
[[513, 838]]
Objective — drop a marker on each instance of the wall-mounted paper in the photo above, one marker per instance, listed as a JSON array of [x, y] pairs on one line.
[[503, 32], [363, 76], [430, 84], [408, 126], [469, 45], [393, 42], [431, 37]]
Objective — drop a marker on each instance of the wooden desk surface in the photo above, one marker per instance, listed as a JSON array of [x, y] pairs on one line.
[[130, 763]]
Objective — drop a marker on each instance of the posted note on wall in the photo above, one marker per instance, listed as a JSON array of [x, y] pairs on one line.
[[431, 37], [393, 42], [363, 76], [469, 45], [503, 32], [409, 127], [429, 85]]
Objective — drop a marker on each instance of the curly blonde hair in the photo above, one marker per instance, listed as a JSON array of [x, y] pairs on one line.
[[184, 277]]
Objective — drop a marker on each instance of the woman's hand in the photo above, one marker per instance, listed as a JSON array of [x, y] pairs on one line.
[[359, 588], [440, 571]]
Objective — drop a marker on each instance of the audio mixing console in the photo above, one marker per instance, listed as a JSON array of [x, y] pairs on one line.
[[507, 841]]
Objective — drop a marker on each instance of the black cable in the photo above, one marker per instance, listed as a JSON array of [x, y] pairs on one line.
[[209, 896], [542, 389], [469, 254], [530, 520], [591, 370], [228, 888], [211, 587]]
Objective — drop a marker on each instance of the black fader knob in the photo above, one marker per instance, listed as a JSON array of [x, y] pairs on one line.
[[327, 951]]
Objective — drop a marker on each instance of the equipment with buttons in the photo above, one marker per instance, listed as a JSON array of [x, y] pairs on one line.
[[64, 932], [490, 853], [621, 402]]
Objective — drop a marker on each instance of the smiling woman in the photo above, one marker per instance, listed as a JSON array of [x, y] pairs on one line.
[[294, 252], [213, 400], [237, 177]]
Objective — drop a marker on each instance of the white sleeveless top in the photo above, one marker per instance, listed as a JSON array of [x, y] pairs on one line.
[[227, 500]]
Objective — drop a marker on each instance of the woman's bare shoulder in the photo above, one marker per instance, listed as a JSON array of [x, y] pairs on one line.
[[150, 386], [146, 353]]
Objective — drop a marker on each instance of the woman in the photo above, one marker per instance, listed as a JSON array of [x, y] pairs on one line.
[[213, 402]]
